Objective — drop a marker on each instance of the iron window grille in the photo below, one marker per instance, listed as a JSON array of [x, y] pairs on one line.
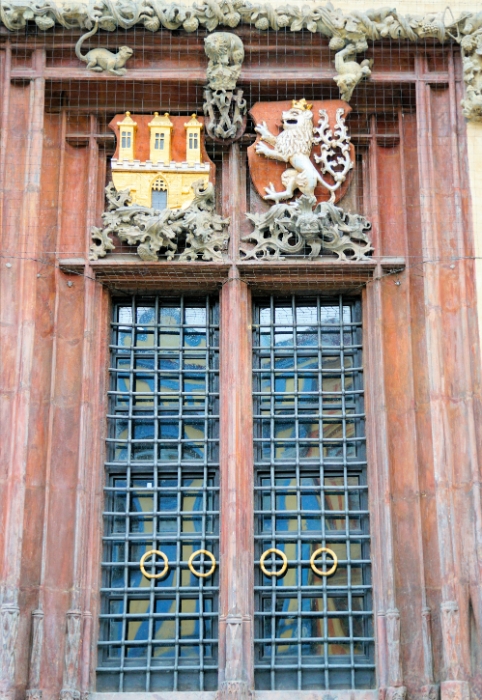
[[162, 493], [311, 631]]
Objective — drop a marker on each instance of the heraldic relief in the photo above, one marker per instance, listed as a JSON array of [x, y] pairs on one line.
[[320, 160], [161, 197]]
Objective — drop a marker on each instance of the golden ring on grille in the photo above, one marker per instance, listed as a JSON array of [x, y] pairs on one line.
[[149, 554], [198, 573], [315, 556], [280, 554]]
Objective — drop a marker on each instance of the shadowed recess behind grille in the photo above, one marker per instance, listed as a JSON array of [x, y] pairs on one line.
[[161, 494], [312, 631]]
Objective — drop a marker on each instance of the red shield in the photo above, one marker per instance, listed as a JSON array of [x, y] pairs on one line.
[[265, 171]]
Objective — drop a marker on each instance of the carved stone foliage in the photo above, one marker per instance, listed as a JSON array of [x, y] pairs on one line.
[[471, 46], [319, 17], [190, 233], [323, 228], [342, 28], [224, 105]]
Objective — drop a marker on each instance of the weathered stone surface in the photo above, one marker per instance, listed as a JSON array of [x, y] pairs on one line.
[[196, 228]]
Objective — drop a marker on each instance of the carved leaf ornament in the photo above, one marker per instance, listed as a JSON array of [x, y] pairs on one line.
[[306, 226], [342, 28]]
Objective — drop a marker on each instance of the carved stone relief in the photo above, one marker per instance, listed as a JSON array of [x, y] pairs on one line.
[[471, 47], [100, 60], [224, 105], [291, 228], [342, 28], [9, 618], [192, 232], [349, 72], [306, 226]]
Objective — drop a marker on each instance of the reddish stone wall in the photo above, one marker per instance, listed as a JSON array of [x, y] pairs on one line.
[[422, 368]]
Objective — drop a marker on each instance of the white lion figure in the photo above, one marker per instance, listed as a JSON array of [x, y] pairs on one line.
[[293, 145]]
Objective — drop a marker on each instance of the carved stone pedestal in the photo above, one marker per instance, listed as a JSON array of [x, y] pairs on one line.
[[431, 691], [454, 690], [235, 690], [396, 693]]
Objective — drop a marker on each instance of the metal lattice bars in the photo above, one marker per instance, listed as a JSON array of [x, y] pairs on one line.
[[312, 631], [162, 494]]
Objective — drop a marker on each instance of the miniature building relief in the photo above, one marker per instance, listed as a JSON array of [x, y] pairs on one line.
[[308, 222], [161, 197]]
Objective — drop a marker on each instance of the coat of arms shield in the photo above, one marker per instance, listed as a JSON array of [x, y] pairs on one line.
[[301, 148]]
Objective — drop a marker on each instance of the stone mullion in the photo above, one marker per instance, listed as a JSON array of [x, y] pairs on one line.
[[76, 673], [236, 460]]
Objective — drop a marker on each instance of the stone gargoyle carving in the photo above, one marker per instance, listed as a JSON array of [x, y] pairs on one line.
[[291, 228], [349, 72], [190, 233], [224, 105], [101, 59], [293, 145]]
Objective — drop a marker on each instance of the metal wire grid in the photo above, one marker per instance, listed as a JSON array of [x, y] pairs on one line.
[[162, 494], [311, 491]]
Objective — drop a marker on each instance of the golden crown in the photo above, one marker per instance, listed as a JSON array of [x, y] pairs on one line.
[[301, 104]]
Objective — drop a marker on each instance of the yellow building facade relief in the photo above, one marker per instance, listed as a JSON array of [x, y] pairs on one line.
[[162, 155]]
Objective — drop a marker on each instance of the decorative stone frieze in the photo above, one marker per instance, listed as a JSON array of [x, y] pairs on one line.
[[192, 232], [355, 27]]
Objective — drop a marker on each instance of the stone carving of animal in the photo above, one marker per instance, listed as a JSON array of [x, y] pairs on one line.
[[293, 145], [226, 55], [350, 72], [100, 59]]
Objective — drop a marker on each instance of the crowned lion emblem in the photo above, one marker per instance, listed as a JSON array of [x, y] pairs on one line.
[[294, 144]]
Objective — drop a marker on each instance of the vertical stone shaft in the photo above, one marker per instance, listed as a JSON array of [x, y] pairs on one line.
[[439, 371], [236, 537], [22, 323], [85, 468], [388, 618]]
